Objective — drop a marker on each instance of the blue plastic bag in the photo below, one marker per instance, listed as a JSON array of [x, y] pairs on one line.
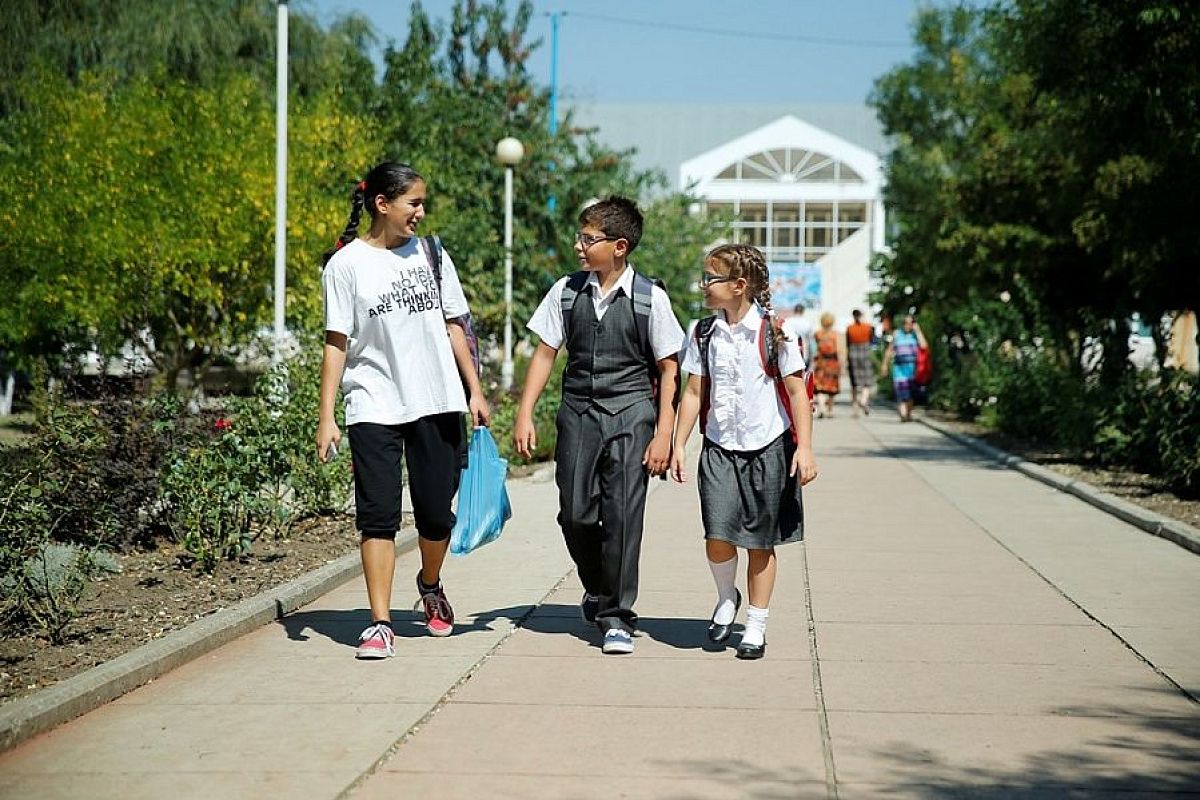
[[483, 505]]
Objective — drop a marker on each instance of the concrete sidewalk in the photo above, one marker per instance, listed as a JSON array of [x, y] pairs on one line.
[[950, 629]]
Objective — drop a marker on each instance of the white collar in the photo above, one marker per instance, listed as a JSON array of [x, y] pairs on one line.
[[624, 282], [751, 321]]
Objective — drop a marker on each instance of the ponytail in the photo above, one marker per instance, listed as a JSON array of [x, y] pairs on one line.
[[357, 200], [389, 179]]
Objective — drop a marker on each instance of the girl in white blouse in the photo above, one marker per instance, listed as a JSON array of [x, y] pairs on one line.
[[746, 384]]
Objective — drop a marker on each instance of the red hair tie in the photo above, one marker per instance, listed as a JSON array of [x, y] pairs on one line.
[[362, 186]]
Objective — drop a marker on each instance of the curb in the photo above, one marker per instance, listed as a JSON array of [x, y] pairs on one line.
[[26, 717], [1173, 530]]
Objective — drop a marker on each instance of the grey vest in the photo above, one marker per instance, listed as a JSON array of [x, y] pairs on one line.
[[605, 364]]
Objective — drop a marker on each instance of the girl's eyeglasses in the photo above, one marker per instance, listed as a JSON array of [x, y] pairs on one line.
[[709, 278]]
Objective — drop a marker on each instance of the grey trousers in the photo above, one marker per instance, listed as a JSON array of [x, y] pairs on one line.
[[602, 502]]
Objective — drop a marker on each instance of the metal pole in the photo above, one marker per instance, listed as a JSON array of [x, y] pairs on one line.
[[281, 93], [552, 202], [506, 369], [553, 73]]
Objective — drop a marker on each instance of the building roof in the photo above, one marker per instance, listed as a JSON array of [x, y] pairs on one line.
[[665, 135]]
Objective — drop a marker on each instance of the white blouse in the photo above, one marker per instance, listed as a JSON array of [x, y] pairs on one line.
[[745, 412]]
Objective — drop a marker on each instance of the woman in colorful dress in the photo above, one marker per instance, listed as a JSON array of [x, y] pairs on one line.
[[901, 354], [827, 367]]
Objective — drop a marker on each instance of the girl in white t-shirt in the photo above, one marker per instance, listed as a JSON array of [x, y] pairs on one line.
[[756, 454], [402, 364]]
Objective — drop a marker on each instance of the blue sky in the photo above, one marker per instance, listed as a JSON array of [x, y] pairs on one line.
[[658, 51]]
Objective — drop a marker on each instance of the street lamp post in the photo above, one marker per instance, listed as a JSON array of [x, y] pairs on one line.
[[509, 151]]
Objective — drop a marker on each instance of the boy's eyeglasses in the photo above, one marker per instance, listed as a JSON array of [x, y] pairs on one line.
[[709, 278], [587, 240]]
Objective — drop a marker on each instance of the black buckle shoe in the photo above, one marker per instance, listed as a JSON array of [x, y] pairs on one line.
[[749, 652], [718, 633]]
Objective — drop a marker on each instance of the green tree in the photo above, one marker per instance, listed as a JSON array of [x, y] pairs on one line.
[[447, 98], [147, 218]]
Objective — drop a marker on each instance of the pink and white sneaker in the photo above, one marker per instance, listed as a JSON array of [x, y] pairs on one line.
[[377, 641], [439, 616]]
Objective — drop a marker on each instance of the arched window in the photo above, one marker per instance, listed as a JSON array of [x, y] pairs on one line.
[[790, 165]]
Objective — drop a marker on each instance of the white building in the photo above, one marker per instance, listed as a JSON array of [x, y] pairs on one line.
[[803, 183]]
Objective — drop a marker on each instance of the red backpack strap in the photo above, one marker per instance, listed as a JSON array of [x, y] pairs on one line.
[[769, 358]]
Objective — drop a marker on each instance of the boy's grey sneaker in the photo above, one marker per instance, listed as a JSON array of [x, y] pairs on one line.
[[589, 606], [617, 641]]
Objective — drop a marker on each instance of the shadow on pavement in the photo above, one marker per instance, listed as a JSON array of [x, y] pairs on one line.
[[344, 626], [683, 634], [1153, 756]]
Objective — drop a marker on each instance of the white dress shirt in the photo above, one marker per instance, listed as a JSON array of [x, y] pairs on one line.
[[745, 412]]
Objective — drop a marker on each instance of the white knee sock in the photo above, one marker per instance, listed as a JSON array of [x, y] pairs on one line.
[[756, 625], [725, 575]]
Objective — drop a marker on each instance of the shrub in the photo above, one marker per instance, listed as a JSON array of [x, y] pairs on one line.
[[255, 469]]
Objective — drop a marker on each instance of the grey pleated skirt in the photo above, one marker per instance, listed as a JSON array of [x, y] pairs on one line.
[[747, 498], [862, 368]]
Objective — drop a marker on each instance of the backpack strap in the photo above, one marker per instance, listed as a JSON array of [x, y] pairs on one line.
[[432, 245], [570, 293], [643, 299], [702, 333], [768, 354]]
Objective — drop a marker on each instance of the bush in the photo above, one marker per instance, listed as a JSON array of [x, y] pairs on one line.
[[1152, 423], [256, 470]]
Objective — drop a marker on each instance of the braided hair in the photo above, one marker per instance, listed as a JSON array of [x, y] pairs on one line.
[[747, 261], [390, 179]]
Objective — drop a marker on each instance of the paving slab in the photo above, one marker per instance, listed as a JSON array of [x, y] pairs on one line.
[[966, 752]]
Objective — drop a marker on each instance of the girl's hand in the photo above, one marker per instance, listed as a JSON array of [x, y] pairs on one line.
[[657, 457], [677, 471], [804, 465], [329, 439], [524, 436], [481, 412]]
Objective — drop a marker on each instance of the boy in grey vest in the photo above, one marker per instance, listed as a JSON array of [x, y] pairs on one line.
[[614, 428]]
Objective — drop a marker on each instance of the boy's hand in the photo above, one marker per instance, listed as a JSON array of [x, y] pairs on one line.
[[804, 465], [524, 436], [658, 455], [677, 470], [481, 412]]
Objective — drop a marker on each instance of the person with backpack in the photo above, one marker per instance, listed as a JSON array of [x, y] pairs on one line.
[[614, 426], [746, 384], [397, 342]]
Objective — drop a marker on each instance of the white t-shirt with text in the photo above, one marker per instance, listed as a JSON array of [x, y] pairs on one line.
[[399, 364]]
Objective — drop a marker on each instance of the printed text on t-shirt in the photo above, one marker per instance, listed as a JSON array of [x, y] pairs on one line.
[[414, 290]]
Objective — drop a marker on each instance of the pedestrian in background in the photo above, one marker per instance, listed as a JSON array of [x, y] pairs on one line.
[[901, 354], [860, 336], [402, 364], [827, 366], [757, 439]]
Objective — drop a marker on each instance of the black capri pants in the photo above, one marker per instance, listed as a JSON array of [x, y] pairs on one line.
[[435, 451]]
